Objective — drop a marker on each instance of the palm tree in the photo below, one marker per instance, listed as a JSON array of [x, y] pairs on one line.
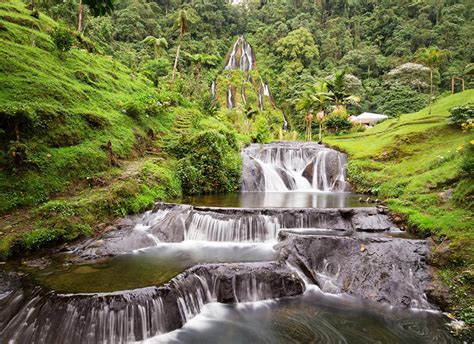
[[431, 57], [315, 97], [184, 18], [159, 44]]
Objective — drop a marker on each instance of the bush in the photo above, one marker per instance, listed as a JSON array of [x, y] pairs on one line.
[[208, 163], [337, 122], [62, 38], [399, 100], [462, 116], [467, 163], [262, 133], [135, 110]]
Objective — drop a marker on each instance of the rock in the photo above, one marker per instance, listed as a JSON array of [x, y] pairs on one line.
[[437, 292], [140, 313], [440, 255], [40, 263], [388, 270], [445, 195]]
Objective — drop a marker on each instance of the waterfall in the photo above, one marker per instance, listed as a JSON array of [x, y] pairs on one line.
[[230, 102], [232, 229], [288, 166], [242, 93], [214, 89], [243, 49]]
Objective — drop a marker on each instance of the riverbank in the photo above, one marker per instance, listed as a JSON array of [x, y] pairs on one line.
[[414, 162]]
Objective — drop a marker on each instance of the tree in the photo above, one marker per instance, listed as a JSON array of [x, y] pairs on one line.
[[298, 45], [199, 60], [432, 58], [98, 8], [315, 97], [184, 18], [413, 75], [159, 44], [338, 86]]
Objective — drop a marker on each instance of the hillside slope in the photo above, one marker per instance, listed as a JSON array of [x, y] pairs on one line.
[[80, 136], [414, 163]]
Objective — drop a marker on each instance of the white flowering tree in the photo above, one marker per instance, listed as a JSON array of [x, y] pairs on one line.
[[410, 74]]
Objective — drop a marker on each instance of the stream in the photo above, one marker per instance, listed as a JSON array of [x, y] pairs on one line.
[[294, 258]]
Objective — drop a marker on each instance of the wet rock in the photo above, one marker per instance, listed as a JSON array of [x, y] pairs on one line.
[[134, 315], [439, 293], [392, 271], [9, 281], [40, 263], [173, 223], [252, 173]]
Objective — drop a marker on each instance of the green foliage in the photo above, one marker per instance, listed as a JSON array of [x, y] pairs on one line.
[[63, 38], [262, 133], [467, 162], [336, 123], [38, 238], [398, 100], [208, 163], [462, 115], [298, 45]]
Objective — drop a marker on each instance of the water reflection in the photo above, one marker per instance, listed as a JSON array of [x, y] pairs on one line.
[[311, 318], [152, 266], [292, 199]]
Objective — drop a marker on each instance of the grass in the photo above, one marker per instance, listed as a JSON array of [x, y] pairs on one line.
[[414, 163], [71, 182], [74, 101]]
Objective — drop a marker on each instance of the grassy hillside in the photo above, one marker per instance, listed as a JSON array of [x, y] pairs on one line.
[[84, 140], [71, 133], [414, 163]]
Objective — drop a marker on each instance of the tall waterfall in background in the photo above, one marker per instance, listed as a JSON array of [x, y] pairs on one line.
[[285, 166]]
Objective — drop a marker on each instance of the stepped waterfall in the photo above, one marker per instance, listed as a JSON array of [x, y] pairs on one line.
[[232, 255]]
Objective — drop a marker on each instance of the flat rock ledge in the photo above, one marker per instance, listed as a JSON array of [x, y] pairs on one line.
[[169, 222], [141, 313]]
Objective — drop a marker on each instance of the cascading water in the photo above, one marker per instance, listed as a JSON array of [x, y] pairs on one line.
[[214, 89], [285, 166], [241, 56], [333, 250], [230, 98]]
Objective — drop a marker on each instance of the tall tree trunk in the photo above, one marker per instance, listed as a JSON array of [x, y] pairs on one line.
[[175, 66], [17, 130], [80, 18], [320, 132], [431, 88]]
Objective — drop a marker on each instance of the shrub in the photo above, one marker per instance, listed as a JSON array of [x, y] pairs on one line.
[[39, 238], [462, 116], [135, 110], [337, 122], [208, 163], [399, 100], [262, 133], [62, 38], [467, 163]]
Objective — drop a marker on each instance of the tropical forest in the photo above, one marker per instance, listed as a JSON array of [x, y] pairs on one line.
[[236, 171]]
